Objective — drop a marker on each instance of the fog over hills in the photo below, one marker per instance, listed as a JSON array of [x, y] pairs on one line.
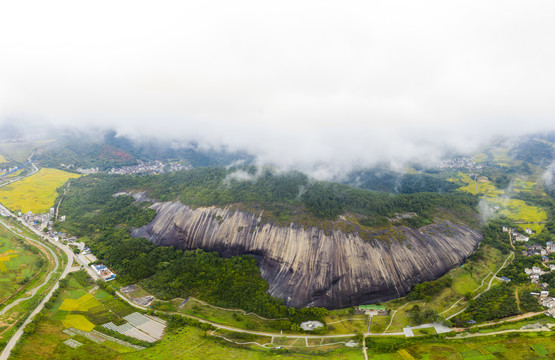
[[312, 85]]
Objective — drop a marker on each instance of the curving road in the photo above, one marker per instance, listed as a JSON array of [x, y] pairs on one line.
[[15, 338], [46, 280]]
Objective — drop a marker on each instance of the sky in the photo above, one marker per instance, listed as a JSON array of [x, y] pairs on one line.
[[324, 86]]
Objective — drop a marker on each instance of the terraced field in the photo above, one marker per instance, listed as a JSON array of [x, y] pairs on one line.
[[481, 186], [35, 193]]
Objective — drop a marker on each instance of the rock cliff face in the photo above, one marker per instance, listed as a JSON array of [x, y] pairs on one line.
[[307, 267]]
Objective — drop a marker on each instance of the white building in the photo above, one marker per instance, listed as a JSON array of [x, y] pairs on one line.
[[520, 237]]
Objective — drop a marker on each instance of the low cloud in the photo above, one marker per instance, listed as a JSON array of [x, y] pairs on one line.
[[241, 175], [311, 85], [548, 177], [486, 211]]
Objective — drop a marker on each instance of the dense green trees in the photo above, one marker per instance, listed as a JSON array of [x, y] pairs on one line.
[[534, 152], [169, 273], [429, 288], [105, 220], [393, 182], [218, 186], [497, 303], [420, 316]]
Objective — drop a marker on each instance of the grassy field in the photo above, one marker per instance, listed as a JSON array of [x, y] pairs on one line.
[[471, 277], [225, 317], [521, 346], [526, 215], [17, 311], [36, 193], [345, 322], [501, 156], [519, 211], [485, 187], [80, 307], [480, 157], [17, 263], [192, 343]]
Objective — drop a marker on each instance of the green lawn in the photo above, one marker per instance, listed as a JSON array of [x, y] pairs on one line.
[[192, 343], [466, 278], [345, 322], [225, 317], [521, 346]]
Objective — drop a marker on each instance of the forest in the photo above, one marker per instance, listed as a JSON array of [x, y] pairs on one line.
[[534, 152], [104, 221], [497, 303], [394, 182], [294, 190]]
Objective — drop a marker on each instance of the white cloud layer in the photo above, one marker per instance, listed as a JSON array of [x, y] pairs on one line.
[[307, 84]]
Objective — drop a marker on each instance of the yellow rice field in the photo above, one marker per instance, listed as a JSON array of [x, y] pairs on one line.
[[84, 303], [35, 193], [78, 321]]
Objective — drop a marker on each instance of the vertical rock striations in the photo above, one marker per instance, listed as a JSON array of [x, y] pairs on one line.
[[307, 267]]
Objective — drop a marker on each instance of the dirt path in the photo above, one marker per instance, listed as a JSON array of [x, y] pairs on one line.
[[489, 284], [393, 315], [61, 199], [237, 310], [516, 318], [364, 348], [500, 332], [495, 275]]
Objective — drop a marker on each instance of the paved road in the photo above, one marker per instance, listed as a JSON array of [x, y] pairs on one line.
[[29, 161], [15, 338]]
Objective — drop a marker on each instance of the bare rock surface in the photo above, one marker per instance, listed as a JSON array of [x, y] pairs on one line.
[[307, 267]]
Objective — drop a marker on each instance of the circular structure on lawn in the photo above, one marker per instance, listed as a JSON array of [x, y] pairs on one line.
[[311, 325]]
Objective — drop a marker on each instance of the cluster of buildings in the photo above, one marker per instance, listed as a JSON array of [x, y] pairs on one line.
[[459, 163], [546, 300], [153, 167], [518, 236], [534, 273], [42, 221], [38, 221], [6, 170]]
